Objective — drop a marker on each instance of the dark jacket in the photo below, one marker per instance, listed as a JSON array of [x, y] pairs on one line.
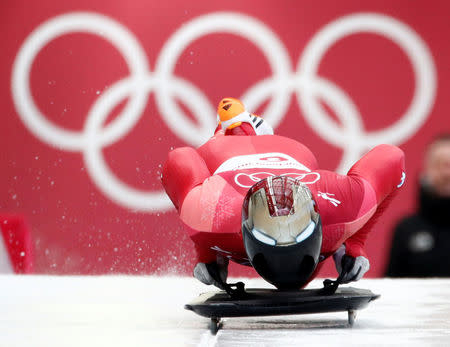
[[421, 244]]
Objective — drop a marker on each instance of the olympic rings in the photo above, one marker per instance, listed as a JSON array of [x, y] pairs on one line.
[[246, 180], [304, 82]]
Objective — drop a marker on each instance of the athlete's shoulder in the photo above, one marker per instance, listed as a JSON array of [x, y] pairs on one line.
[[220, 139], [222, 147]]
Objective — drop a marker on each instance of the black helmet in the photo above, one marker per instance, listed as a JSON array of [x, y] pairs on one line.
[[282, 231]]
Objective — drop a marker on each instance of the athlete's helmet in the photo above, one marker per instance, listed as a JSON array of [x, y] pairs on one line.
[[282, 231], [229, 108]]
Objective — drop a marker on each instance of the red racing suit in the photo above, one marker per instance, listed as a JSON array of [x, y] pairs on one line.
[[207, 185]]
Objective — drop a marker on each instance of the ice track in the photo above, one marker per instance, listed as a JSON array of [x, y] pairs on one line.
[[148, 311]]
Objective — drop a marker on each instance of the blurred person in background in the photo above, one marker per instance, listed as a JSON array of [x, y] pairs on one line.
[[421, 243]]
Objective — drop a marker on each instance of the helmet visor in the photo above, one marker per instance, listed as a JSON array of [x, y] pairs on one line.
[[280, 211]]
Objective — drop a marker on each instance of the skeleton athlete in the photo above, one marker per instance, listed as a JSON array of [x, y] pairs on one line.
[[261, 200]]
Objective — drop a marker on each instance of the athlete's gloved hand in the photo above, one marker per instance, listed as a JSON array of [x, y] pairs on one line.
[[350, 268], [212, 273]]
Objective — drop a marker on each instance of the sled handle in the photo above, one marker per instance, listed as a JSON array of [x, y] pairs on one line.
[[330, 286], [237, 293]]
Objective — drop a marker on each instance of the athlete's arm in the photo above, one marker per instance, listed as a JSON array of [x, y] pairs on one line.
[[183, 170], [208, 206], [383, 168]]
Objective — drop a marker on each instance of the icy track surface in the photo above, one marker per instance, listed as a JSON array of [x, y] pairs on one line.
[[148, 311]]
